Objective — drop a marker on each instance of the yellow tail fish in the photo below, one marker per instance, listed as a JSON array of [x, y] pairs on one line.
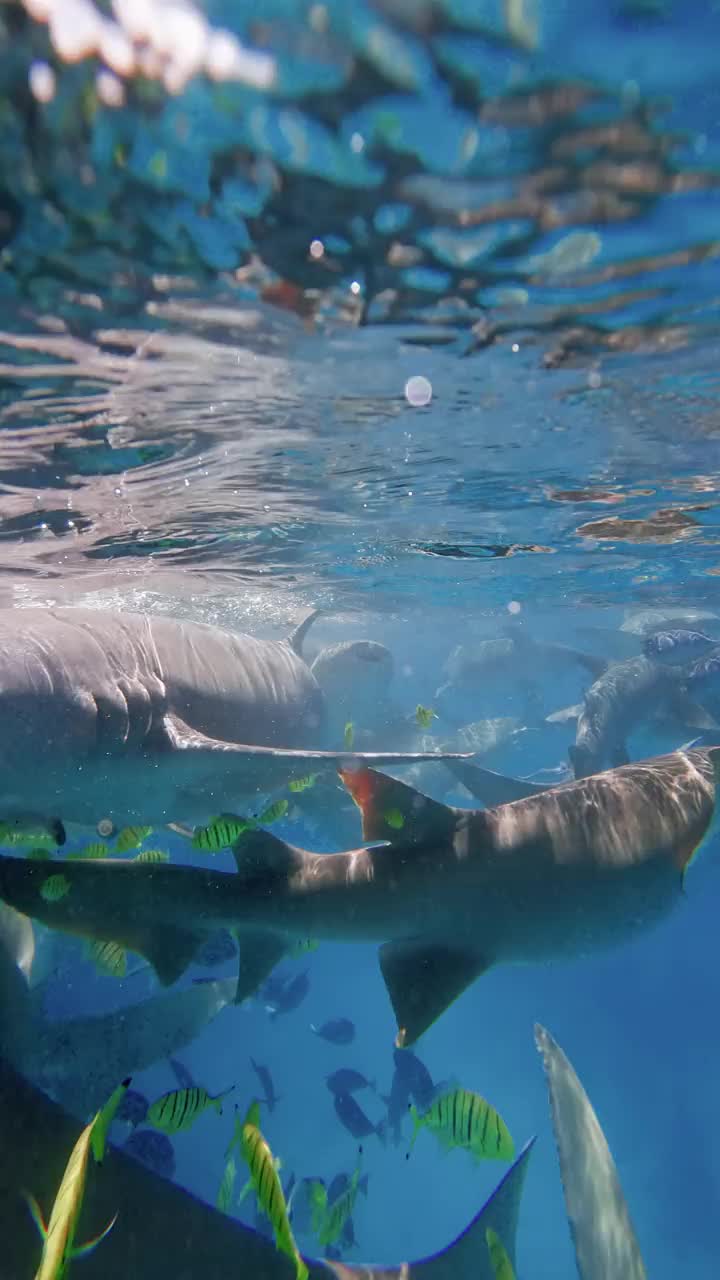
[[180, 1109], [268, 1188], [59, 1235], [464, 1119]]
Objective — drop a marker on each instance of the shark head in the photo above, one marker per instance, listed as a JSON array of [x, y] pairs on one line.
[[355, 679]]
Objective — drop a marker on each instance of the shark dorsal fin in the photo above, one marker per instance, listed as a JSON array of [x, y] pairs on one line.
[[393, 811], [296, 637], [259, 853]]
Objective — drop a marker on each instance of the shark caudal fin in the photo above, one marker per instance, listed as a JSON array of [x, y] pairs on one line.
[[605, 1244], [98, 900], [492, 788], [396, 812], [423, 979]]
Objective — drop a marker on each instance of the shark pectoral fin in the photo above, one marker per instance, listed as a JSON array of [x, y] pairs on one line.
[[168, 949], [566, 714], [260, 951], [423, 979], [393, 811], [492, 788], [82, 1250]]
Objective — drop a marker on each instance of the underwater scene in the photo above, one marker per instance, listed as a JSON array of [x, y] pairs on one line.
[[359, 639]]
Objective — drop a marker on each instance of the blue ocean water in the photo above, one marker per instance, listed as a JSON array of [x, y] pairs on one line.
[[216, 300]]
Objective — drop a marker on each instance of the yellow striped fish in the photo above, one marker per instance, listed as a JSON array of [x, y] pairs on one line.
[[180, 1109], [109, 958], [394, 819], [222, 832], [464, 1119], [131, 838], [499, 1261], [424, 716], [152, 855], [349, 735], [59, 1235], [97, 850], [41, 834], [55, 888], [333, 1219], [273, 813], [303, 784], [227, 1186], [268, 1188]]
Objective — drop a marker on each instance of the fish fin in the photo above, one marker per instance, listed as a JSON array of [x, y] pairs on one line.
[[394, 811], [260, 951], [168, 949], [180, 830], [296, 637], [492, 788], [181, 737], [245, 1191], [566, 714], [36, 1213], [82, 1250], [423, 979], [104, 1118], [252, 1115]]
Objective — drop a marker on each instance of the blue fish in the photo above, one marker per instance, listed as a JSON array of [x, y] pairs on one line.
[[348, 1080], [133, 1108], [270, 1097], [353, 1118], [336, 1030], [282, 995]]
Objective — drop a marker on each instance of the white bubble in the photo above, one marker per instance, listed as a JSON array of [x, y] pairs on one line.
[[355, 287], [317, 249], [594, 379], [514, 606], [42, 81], [515, 347], [357, 143], [418, 391]]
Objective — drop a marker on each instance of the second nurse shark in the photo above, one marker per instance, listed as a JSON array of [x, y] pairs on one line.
[[447, 892]]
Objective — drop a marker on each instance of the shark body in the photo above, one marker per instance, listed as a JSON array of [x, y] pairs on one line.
[[145, 719], [577, 868]]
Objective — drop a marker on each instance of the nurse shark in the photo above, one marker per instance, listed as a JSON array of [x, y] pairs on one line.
[[134, 718], [449, 893]]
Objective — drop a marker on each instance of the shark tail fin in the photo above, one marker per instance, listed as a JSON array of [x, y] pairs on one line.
[[394, 811]]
